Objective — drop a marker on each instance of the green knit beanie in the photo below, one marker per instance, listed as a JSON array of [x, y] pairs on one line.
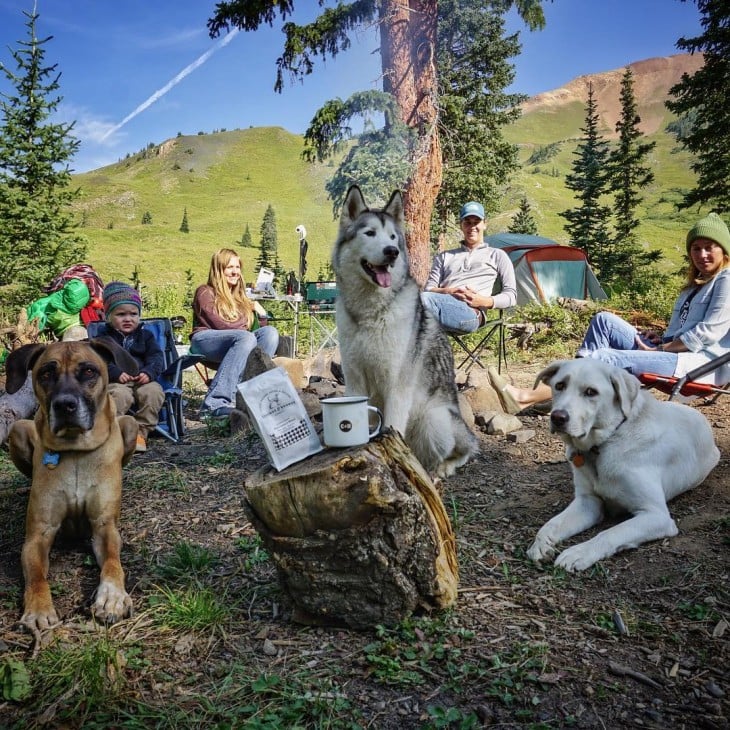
[[712, 227]]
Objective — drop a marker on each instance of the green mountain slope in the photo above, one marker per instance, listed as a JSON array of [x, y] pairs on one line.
[[225, 181]]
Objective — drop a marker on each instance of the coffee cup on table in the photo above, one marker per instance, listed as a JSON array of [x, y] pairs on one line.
[[346, 421]]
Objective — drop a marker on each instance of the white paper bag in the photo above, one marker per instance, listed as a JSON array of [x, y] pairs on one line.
[[280, 418]]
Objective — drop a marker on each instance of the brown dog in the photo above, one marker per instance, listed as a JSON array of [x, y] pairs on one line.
[[73, 450]]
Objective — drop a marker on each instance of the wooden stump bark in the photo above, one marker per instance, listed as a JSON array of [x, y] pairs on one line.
[[359, 536]]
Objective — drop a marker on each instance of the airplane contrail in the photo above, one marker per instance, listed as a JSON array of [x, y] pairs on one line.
[[161, 92]]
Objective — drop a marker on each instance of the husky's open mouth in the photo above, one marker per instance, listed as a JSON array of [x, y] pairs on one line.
[[379, 274]]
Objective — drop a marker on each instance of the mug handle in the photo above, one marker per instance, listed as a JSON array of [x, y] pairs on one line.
[[376, 430]]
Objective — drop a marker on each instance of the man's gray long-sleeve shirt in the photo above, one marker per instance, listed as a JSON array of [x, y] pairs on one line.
[[480, 269]]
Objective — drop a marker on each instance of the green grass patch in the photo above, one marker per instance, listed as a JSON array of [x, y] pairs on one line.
[[71, 683], [187, 563], [190, 609], [253, 551], [151, 477]]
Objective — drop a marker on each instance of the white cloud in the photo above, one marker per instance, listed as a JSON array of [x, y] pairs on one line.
[[88, 127]]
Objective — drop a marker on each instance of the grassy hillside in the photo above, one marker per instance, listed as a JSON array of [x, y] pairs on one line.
[[225, 181]]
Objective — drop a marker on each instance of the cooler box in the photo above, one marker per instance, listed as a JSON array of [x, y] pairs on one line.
[[321, 295]]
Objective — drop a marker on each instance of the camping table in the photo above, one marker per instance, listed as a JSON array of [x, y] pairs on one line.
[[293, 300]]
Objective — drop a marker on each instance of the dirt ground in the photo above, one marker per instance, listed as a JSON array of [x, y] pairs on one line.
[[641, 640]]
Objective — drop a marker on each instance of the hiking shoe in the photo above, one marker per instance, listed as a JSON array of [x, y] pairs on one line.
[[222, 412], [141, 444], [215, 414]]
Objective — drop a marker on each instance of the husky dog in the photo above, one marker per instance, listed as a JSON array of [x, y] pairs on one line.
[[392, 349]]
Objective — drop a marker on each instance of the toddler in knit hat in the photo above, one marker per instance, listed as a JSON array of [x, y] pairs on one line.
[[123, 308], [117, 293]]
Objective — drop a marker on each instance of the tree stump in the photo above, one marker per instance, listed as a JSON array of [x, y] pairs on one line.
[[359, 536]]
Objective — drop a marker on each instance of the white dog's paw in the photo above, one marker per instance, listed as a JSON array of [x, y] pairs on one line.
[[112, 603], [577, 558], [444, 470], [541, 549]]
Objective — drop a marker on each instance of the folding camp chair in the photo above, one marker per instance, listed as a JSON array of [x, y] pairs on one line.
[[493, 328], [206, 368], [171, 422], [687, 385], [320, 306]]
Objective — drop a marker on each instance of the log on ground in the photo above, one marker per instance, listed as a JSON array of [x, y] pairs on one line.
[[21, 404], [359, 536]]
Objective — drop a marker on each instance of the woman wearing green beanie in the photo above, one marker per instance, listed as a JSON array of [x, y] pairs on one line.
[[698, 330]]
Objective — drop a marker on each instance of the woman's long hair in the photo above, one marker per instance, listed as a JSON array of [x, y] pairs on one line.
[[693, 274], [230, 303]]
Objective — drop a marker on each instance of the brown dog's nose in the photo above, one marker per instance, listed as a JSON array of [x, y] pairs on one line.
[[65, 405], [559, 418]]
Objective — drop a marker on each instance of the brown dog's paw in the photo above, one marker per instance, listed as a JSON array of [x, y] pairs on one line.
[[129, 428], [112, 604], [37, 620]]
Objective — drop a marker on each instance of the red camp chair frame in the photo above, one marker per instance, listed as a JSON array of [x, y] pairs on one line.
[[686, 385]]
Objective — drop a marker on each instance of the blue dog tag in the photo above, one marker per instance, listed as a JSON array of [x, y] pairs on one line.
[[51, 459]]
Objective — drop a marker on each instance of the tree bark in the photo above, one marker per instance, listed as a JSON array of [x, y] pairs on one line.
[[408, 53], [359, 537]]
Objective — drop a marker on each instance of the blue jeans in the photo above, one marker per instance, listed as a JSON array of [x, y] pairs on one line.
[[612, 340], [453, 315], [230, 349]]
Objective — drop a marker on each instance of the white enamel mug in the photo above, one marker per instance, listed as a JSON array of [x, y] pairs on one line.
[[346, 421]]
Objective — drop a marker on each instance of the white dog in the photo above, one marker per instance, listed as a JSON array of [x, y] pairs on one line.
[[393, 350], [629, 453]]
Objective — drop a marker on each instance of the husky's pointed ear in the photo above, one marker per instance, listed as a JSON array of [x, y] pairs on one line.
[[353, 207], [394, 207]]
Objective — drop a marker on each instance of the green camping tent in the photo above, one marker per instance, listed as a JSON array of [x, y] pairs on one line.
[[545, 270]]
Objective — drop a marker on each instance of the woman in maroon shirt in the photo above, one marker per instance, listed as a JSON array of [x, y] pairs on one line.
[[224, 330]]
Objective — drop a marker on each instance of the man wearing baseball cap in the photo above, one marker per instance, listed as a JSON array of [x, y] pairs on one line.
[[461, 285]]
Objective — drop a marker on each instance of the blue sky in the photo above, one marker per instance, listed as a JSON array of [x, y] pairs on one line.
[[140, 71]]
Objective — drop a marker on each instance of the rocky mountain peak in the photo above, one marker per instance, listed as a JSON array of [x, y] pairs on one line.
[[653, 78]]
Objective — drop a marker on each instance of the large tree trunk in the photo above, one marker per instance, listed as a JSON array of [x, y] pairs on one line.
[[408, 52], [359, 537]]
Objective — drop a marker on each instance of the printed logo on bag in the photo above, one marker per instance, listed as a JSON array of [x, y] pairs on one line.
[[275, 401], [345, 426]]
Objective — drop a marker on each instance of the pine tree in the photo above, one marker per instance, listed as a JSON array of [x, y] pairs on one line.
[[474, 70], [523, 222], [629, 174], [184, 227], [269, 241], [246, 239], [189, 288], [38, 235], [269, 244], [587, 222], [705, 95]]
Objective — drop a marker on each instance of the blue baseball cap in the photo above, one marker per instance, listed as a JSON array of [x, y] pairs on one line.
[[472, 208]]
